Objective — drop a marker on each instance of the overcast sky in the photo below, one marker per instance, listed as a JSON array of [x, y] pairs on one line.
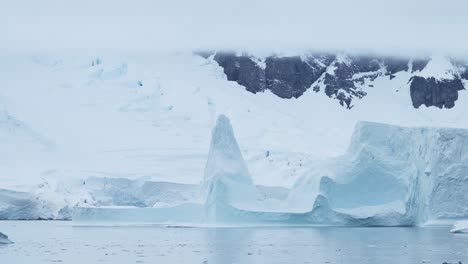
[[153, 25]]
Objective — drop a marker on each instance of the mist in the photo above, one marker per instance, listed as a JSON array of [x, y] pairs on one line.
[[397, 27]]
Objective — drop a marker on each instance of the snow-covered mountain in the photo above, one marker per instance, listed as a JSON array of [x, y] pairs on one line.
[[65, 119], [433, 81]]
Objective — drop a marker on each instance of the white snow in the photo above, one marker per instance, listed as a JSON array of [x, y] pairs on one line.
[[460, 227], [133, 131], [439, 67], [148, 116], [4, 239]]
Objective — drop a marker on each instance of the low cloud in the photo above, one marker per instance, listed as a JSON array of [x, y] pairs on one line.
[[141, 26]]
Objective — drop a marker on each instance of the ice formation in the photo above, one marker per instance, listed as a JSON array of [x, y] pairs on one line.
[[389, 176], [409, 175], [227, 181], [4, 239], [460, 227], [22, 205]]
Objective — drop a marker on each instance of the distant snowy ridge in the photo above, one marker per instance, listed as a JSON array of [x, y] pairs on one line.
[[347, 78]]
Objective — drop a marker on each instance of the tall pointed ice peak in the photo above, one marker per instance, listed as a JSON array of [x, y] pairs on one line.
[[227, 180], [222, 138]]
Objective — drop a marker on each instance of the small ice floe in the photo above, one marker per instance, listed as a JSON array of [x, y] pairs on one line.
[[4, 239], [460, 227]]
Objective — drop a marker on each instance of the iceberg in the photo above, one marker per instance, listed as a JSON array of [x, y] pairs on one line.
[[22, 205], [226, 187], [227, 181], [389, 176], [398, 175], [4, 239]]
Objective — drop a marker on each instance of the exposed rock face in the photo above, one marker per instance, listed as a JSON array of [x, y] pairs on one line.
[[340, 82], [341, 77], [243, 70], [419, 64], [394, 65], [291, 76], [433, 92], [464, 74], [462, 66]]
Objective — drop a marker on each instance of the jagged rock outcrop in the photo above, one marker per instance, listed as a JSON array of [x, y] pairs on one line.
[[243, 70], [340, 82], [419, 64], [434, 92], [291, 76], [342, 77]]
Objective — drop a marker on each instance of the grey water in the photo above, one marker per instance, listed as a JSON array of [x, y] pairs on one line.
[[61, 242]]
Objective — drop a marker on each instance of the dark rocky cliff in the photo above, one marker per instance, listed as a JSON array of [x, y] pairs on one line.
[[433, 92], [341, 77]]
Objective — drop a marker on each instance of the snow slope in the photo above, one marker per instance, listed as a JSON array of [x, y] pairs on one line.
[[136, 115], [460, 227], [4, 239]]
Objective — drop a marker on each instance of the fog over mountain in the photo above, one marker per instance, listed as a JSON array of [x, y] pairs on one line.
[[365, 26]]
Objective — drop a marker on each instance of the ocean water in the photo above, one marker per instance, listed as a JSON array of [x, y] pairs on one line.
[[62, 242]]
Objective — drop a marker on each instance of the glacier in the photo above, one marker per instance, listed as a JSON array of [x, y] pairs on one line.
[[389, 176]]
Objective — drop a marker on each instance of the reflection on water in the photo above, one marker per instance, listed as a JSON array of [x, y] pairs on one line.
[[45, 242]]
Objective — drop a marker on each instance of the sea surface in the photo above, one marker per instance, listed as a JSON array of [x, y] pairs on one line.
[[63, 242]]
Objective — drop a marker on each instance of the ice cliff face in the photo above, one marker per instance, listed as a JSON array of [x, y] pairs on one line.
[[344, 77], [227, 181], [416, 174], [389, 176], [25, 206]]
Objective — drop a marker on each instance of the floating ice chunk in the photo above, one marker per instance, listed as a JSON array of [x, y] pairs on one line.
[[4, 239], [460, 227]]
